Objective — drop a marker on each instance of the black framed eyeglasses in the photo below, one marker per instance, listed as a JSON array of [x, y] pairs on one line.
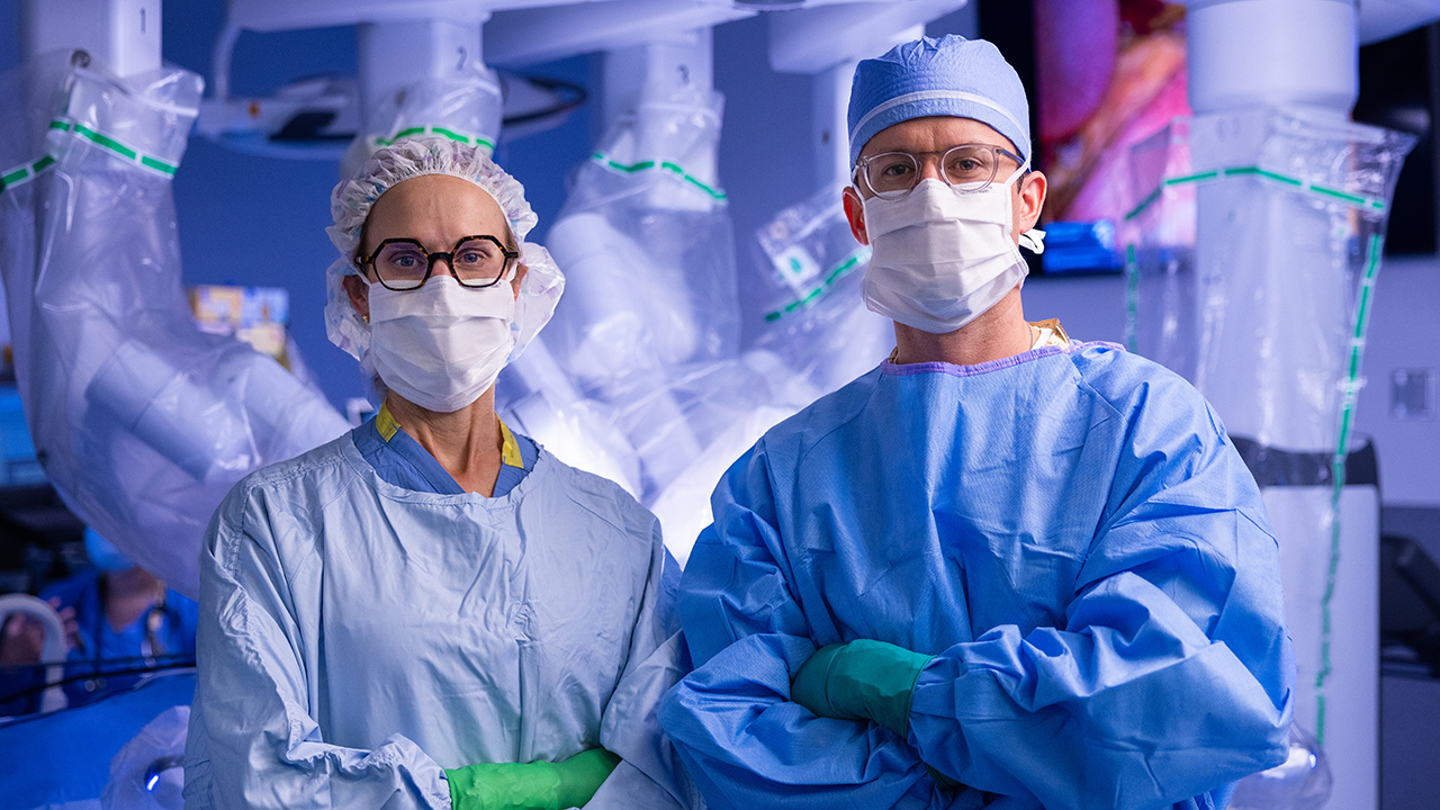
[[477, 261], [965, 168]]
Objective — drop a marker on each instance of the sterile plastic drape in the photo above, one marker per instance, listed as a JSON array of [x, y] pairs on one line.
[[639, 377], [1253, 256], [141, 421]]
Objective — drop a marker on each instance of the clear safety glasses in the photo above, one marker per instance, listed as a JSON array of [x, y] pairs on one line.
[[968, 167], [476, 261]]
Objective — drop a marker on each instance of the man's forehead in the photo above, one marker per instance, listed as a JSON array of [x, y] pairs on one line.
[[933, 133]]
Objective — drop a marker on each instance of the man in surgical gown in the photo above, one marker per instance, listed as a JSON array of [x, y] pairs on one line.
[[1036, 572]]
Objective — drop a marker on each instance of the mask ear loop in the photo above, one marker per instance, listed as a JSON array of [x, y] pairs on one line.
[[1019, 173], [1033, 239]]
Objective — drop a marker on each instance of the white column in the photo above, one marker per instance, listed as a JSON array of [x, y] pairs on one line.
[[1272, 83], [122, 35], [396, 55]]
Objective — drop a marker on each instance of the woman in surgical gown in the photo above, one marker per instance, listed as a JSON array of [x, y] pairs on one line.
[[432, 610]]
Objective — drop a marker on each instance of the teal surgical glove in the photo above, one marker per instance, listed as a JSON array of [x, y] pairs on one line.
[[862, 680], [536, 786]]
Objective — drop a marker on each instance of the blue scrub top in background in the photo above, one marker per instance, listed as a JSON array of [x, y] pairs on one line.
[[1068, 531], [107, 660]]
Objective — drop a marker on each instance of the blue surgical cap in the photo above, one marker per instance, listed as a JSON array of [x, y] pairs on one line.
[[947, 76]]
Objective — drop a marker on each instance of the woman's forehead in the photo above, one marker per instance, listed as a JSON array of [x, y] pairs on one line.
[[434, 202]]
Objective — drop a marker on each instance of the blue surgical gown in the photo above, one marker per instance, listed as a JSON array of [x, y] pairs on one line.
[[1070, 534], [358, 636]]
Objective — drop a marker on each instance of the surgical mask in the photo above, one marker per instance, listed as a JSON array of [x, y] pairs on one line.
[[941, 257], [442, 345]]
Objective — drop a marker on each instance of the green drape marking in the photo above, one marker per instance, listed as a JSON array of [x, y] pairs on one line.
[[1256, 171], [814, 295], [116, 147], [666, 166], [25, 172], [1337, 468], [443, 132]]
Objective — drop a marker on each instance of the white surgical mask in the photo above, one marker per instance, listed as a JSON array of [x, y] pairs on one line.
[[443, 345], [941, 257]]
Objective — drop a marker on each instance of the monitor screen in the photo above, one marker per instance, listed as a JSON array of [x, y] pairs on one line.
[[1103, 75]]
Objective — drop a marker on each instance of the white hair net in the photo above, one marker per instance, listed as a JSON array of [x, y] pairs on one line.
[[352, 200]]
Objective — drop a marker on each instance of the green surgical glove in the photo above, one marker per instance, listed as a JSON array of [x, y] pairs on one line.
[[536, 786], [862, 680]]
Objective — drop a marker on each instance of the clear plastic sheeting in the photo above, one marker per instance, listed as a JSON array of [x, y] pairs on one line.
[[149, 773], [639, 375], [808, 298], [1159, 233], [1254, 250], [141, 421], [1301, 782], [643, 377], [1265, 314], [645, 241], [464, 110], [539, 399]]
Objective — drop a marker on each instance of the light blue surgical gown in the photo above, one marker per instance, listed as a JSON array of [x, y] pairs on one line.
[[358, 636], [1070, 534]]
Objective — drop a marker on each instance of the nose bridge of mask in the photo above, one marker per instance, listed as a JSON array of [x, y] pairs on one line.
[[442, 297], [933, 201]]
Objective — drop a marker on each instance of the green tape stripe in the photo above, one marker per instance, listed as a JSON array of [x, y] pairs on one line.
[[1132, 299], [107, 142], [1337, 471], [443, 132], [1256, 171], [620, 167], [814, 295], [667, 166], [1350, 198], [151, 163], [116, 147], [1145, 203], [25, 173], [1192, 178]]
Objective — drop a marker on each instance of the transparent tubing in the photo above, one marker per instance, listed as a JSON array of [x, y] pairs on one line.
[[52, 653]]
